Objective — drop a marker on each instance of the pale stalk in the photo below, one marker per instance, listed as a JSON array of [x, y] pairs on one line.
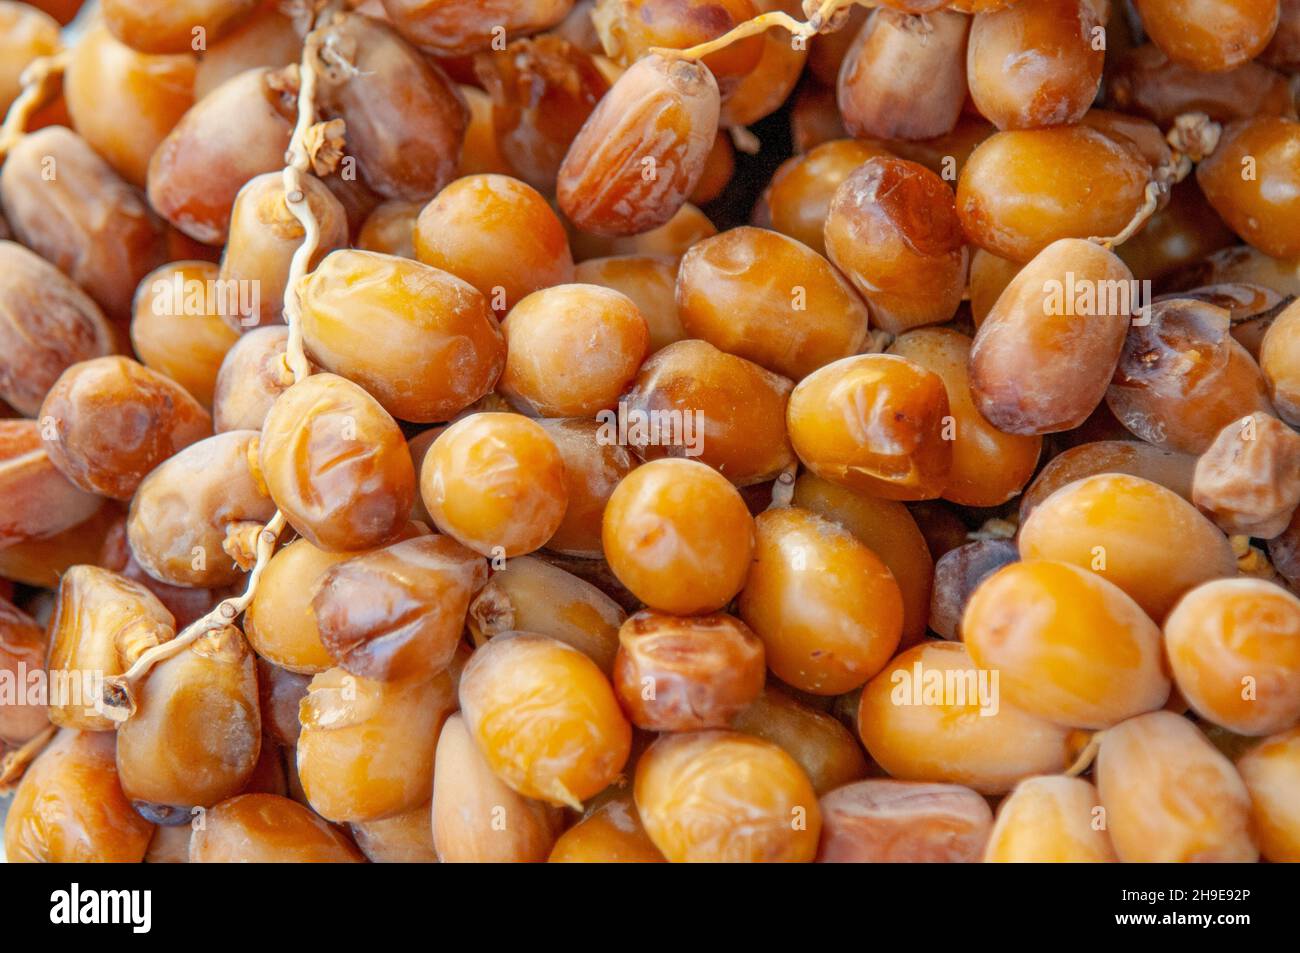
[[995, 528], [36, 83], [1192, 137], [298, 164], [15, 763], [1086, 757], [783, 487], [1150, 202], [764, 22]]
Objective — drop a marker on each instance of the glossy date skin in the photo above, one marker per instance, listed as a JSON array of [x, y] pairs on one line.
[[619, 176], [67, 204], [196, 734], [239, 130], [704, 670], [102, 623], [183, 511], [39, 501], [70, 807], [336, 464], [455, 27], [49, 324], [172, 26], [397, 613], [433, 346], [110, 421], [394, 88]]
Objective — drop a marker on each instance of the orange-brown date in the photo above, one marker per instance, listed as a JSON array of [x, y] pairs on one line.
[[109, 421], [183, 511], [544, 717], [196, 733], [769, 299], [892, 227], [966, 737], [239, 130], [405, 120], [874, 423], [336, 464], [102, 624], [721, 796], [642, 151], [1182, 377], [889, 530], [1253, 181], [178, 328], [41, 562], [679, 536], [1036, 64], [68, 205], [124, 102], [252, 375], [1210, 35], [495, 482], [366, 750], [398, 612], [610, 832], [48, 324], [826, 607], [686, 673], [268, 829], [1134, 457], [1043, 357], [571, 350], [1022, 190], [422, 341], [904, 77], [497, 233], [734, 408], [70, 807]]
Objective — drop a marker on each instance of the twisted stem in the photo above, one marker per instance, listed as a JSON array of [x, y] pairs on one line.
[[37, 88], [119, 701]]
